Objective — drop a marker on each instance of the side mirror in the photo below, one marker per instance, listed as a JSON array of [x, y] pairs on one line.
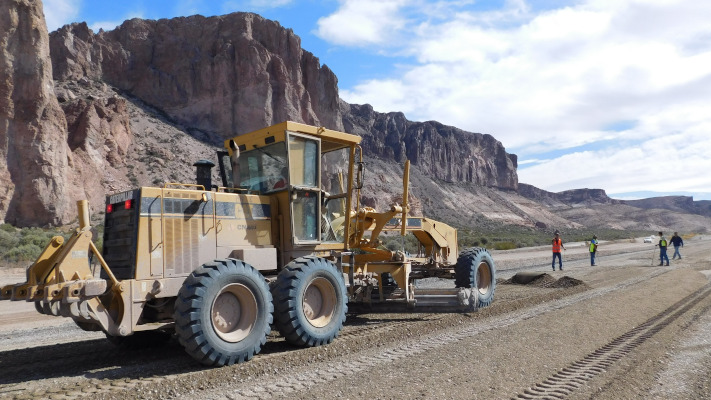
[[359, 176]]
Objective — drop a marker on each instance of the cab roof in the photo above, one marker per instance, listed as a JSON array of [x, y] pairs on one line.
[[330, 139]]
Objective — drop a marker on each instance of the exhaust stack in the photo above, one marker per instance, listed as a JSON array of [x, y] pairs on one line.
[[203, 169]]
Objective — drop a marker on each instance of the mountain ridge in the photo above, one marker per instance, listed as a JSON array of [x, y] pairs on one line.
[[139, 101]]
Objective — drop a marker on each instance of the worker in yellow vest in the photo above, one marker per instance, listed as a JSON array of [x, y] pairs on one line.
[[662, 250], [593, 250]]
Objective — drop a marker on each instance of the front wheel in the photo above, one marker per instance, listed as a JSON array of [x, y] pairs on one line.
[[223, 313], [309, 302], [475, 269]]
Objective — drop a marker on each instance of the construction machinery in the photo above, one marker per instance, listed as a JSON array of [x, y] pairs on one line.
[[284, 242]]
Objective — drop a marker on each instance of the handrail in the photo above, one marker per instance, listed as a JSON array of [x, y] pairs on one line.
[[165, 186]]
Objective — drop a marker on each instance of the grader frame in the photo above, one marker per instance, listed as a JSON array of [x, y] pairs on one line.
[[217, 265]]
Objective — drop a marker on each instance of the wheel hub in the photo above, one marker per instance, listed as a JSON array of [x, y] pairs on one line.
[[483, 278], [234, 312], [319, 302]]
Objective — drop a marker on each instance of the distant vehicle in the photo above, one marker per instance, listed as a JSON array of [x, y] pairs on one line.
[[649, 239]]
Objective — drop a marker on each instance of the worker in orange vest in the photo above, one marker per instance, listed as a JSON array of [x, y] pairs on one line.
[[557, 245]]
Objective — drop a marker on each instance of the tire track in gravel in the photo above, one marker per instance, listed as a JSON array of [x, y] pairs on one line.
[[74, 370], [65, 365], [567, 380], [126, 370], [286, 384]]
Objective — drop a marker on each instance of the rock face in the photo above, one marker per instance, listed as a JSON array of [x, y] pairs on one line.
[[443, 152], [220, 76], [33, 135], [240, 72], [568, 197], [223, 75], [674, 203], [202, 80]]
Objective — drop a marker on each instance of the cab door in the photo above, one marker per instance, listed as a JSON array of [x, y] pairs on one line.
[[305, 177]]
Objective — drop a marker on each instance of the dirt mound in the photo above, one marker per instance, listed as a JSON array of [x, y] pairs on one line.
[[565, 282], [546, 281]]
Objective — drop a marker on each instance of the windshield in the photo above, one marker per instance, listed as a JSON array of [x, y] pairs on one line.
[[264, 169]]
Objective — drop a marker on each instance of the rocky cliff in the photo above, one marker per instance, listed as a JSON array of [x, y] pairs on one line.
[[210, 78], [674, 203], [137, 105], [567, 197], [442, 152], [33, 133], [239, 72], [223, 75]]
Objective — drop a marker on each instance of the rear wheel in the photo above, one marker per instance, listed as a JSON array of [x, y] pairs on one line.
[[223, 313], [309, 302], [475, 269]]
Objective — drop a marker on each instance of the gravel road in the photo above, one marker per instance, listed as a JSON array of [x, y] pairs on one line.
[[625, 329]]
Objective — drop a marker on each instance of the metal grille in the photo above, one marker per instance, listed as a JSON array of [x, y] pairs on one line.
[[119, 248], [182, 233]]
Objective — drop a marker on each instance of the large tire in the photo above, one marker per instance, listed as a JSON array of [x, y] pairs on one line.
[[475, 269], [309, 302], [223, 313]]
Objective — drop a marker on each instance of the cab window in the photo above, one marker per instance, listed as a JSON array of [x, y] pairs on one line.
[[304, 164], [264, 169]]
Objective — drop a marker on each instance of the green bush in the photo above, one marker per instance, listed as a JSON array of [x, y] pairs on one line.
[[98, 231], [23, 252], [24, 244], [36, 237], [504, 245], [8, 240], [8, 228]]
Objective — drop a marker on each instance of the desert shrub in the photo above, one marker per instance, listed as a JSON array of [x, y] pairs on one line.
[[23, 252], [504, 245], [484, 241], [393, 242], [36, 236], [8, 228], [8, 240], [98, 231], [25, 244]]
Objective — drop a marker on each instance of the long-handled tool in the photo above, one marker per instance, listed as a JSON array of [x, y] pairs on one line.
[[654, 253]]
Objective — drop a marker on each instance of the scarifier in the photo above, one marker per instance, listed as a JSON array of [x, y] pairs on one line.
[[284, 242]]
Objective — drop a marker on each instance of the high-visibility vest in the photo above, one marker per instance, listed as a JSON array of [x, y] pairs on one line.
[[556, 245], [663, 242], [593, 243]]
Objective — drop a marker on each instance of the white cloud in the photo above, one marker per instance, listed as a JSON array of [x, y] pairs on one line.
[[107, 25], [363, 22], [554, 80], [58, 13]]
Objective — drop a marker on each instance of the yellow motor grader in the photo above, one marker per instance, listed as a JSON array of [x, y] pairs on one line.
[[284, 242]]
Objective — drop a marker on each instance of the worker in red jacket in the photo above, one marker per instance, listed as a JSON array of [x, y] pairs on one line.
[[557, 245]]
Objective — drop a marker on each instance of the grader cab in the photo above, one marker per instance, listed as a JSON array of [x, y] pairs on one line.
[[283, 242]]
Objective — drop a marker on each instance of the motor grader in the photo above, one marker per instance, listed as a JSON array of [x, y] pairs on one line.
[[284, 242]]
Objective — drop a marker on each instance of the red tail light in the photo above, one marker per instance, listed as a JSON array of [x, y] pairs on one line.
[[127, 204], [109, 208]]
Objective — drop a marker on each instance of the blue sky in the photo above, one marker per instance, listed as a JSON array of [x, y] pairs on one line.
[[610, 94]]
